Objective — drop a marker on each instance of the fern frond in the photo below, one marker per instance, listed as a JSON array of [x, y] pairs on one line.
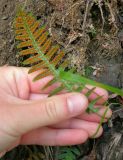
[[91, 105], [37, 67], [32, 60], [25, 44], [36, 42], [39, 32], [42, 74], [64, 64], [27, 51], [90, 92], [57, 90], [52, 51], [51, 82]]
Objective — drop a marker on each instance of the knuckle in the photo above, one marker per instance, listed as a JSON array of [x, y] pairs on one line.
[[51, 109]]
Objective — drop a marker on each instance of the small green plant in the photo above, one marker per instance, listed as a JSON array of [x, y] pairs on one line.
[[37, 45], [68, 153], [88, 71], [92, 32]]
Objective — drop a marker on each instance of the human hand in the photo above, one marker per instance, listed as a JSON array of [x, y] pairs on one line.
[[27, 116]]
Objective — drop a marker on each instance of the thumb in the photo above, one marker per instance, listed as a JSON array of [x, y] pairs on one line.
[[49, 111]]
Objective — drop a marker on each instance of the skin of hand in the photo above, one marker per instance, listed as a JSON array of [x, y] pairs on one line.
[[29, 116]]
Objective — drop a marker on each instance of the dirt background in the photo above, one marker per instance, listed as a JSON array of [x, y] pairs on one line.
[[91, 33]]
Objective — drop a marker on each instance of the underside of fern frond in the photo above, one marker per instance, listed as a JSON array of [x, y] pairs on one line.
[[37, 45], [36, 42]]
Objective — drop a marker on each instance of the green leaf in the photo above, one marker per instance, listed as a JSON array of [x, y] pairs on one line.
[[79, 89], [68, 153], [90, 92], [51, 82], [76, 151], [56, 91], [101, 121], [75, 78], [91, 105]]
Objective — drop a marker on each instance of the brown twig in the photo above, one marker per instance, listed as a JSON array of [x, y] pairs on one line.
[[102, 15], [112, 14], [85, 16]]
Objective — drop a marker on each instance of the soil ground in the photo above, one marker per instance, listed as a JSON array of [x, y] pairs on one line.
[[91, 33]]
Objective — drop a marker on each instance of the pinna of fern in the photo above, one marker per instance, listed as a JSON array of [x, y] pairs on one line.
[[37, 45]]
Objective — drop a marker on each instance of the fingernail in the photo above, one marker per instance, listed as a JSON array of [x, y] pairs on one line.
[[77, 103]]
